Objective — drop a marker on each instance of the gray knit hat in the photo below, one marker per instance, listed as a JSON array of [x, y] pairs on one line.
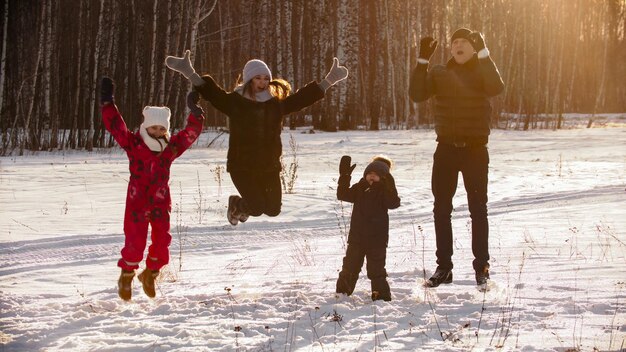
[[253, 68]]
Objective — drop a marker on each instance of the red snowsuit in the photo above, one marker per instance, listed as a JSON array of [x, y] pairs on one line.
[[148, 198]]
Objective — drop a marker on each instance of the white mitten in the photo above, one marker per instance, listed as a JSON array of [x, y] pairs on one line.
[[184, 67], [337, 73]]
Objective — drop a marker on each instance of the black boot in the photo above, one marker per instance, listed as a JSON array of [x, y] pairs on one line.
[[441, 276], [380, 289], [125, 284], [346, 283], [482, 276]]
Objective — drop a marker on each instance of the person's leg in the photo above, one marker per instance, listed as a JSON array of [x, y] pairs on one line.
[[159, 252], [349, 274], [273, 193], [475, 177], [135, 237], [377, 273], [444, 182], [252, 194]]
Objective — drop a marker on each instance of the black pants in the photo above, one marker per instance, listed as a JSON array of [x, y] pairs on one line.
[[260, 192], [473, 163], [352, 263]]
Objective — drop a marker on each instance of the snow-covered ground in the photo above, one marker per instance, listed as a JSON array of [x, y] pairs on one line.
[[557, 203]]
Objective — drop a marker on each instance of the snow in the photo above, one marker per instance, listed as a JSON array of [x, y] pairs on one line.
[[558, 247]]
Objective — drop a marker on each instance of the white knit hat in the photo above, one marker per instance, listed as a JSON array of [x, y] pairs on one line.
[[254, 68], [156, 115]]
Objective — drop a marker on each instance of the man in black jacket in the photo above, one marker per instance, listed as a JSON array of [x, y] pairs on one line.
[[461, 89]]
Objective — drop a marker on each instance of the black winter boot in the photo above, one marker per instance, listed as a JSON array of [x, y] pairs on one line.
[[381, 290], [441, 276], [125, 284], [147, 278], [346, 283], [482, 276]]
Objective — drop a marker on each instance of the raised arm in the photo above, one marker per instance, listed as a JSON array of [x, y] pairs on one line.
[[206, 85], [344, 192], [390, 193], [313, 92], [113, 121], [492, 79], [182, 140], [420, 84]]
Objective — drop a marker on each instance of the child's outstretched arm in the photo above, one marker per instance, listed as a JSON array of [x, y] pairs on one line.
[[183, 66], [113, 121], [344, 192], [182, 140]]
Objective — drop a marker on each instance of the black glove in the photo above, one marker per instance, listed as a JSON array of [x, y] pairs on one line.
[[106, 90], [427, 47], [388, 182], [344, 166], [477, 40], [193, 98]]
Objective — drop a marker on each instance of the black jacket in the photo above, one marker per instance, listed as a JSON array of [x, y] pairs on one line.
[[462, 108], [369, 225], [255, 127]]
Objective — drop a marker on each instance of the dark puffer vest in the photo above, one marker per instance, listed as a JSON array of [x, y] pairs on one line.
[[462, 108], [255, 127]]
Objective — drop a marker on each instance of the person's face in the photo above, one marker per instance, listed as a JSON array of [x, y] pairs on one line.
[[462, 50], [156, 131], [260, 83], [372, 177]]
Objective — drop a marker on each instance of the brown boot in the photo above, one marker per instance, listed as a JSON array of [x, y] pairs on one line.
[[125, 284], [147, 278]]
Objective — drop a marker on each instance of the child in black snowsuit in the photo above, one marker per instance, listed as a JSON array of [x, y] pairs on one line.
[[372, 196]]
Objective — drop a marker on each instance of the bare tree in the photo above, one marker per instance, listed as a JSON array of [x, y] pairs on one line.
[[556, 57]]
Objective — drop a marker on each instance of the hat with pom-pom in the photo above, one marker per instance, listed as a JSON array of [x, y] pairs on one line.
[[379, 167]]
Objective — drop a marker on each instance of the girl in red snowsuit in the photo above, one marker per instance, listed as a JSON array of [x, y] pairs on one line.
[[148, 202]]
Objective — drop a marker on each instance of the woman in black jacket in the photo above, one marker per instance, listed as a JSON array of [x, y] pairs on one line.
[[255, 109], [372, 196]]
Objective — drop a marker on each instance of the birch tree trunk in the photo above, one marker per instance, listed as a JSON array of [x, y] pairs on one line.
[[168, 35], [600, 91], [50, 64], [94, 79], [74, 119], [153, 64], [31, 139], [390, 67], [3, 59]]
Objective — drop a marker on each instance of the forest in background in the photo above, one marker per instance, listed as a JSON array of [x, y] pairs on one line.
[[555, 57]]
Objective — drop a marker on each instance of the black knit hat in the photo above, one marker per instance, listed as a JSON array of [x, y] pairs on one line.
[[460, 33], [379, 167]]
